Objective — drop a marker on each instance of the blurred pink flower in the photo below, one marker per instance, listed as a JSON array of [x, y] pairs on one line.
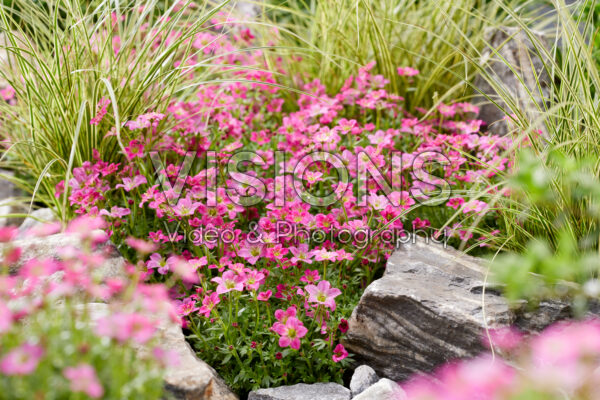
[[126, 326], [129, 184], [22, 360], [83, 378], [504, 338], [101, 109], [264, 296], [407, 71]]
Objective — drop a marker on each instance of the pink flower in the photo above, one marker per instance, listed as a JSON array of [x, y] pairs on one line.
[[564, 343], [264, 296], [166, 357], [290, 333], [468, 107], [129, 184], [208, 303], [277, 252], [251, 252], [8, 93], [116, 212], [344, 255], [324, 255], [197, 263], [184, 269], [186, 308], [86, 227], [339, 353], [476, 206], [254, 279], [6, 318], [157, 261], [145, 121], [402, 199], [325, 222], [124, 327], [455, 202], [446, 110], [310, 276], [141, 246], [229, 281], [101, 109], [482, 375], [348, 126], [82, 378], [407, 71], [301, 254], [38, 268], [45, 229], [419, 223], [23, 360], [313, 177], [343, 326], [323, 293], [8, 233], [134, 149], [283, 316], [185, 207], [504, 338]]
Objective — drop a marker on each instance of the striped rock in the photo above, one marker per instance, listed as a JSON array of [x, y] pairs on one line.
[[521, 75], [430, 307]]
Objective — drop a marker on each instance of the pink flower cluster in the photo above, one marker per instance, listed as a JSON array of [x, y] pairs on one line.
[[562, 362], [45, 285], [233, 287]]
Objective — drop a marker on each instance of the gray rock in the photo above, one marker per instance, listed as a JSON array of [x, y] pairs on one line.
[[191, 378], [546, 313], [246, 10], [425, 310], [363, 377], [301, 391], [384, 389], [518, 51], [49, 246], [430, 307], [9, 202], [35, 219]]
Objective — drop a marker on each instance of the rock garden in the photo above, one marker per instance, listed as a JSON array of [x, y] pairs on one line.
[[299, 200]]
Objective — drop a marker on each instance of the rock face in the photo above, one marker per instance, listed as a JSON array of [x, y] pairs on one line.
[[36, 219], [430, 307], [363, 377], [191, 378], [517, 49], [247, 10], [49, 246], [385, 389], [301, 391]]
